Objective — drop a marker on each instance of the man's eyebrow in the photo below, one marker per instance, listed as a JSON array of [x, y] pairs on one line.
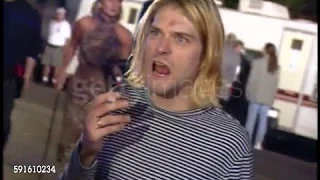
[[154, 27], [176, 32], [185, 34]]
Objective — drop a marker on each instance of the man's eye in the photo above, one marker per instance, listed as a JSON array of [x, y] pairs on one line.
[[154, 32], [181, 39]]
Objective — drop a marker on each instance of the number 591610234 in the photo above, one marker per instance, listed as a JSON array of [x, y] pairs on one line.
[[34, 169]]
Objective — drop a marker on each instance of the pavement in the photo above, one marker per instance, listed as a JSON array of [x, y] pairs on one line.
[[31, 122]]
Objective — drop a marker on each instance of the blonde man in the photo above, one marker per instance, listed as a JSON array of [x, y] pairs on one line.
[[173, 127]]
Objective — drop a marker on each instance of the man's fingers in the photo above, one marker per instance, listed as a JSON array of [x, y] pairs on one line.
[[105, 108], [103, 98], [111, 129], [112, 120], [107, 97]]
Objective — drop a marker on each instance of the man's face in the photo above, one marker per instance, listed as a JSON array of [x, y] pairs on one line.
[[238, 48], [111, 7], [173, 50], [60, 16]]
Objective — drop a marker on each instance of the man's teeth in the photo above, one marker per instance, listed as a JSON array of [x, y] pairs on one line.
[[159, 64]]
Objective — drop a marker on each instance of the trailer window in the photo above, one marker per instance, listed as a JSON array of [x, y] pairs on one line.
[[132, 15], [257, 4], [253, 54], [296, 44]]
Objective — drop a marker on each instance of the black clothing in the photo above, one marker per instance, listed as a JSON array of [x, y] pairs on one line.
[[22, 39], [22, 34], [237, 106]]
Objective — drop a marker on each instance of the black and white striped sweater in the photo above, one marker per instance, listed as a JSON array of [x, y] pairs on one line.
[[202, 144]]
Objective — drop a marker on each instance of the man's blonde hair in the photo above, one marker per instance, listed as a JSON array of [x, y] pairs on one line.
[[206, 18]]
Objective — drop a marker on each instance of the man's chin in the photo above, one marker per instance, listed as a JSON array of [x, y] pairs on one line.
[[161, 89]]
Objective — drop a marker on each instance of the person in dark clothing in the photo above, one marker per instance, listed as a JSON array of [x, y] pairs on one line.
[[230, 64], [143, 11], [145, 8], [244, 67], [238, 103], [22, 43]]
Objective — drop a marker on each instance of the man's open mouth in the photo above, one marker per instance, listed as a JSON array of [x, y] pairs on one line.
[[160, 69]]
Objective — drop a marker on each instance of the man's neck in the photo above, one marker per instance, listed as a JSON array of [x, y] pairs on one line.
[[59, 20], [175, 104]]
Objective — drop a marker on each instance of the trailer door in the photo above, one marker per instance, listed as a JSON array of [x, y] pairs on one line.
[[294, 59]]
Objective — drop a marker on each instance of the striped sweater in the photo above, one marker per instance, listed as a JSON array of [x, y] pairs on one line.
[[202, 144]]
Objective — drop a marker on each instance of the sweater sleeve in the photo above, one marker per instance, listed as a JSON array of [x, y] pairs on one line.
[[74, 170], [242, 169]]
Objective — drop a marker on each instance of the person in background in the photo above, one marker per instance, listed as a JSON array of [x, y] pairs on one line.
[[95, 7], [237, 105], [142, 12], [22, 45], [59, 33], [24, 72], [261, 92], [145, 7], [165, 121], [74, 63], [230, 62], [100, 40], [239, 47], [244, 68]]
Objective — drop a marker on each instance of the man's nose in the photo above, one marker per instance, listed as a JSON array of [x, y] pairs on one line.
[[164, 46]]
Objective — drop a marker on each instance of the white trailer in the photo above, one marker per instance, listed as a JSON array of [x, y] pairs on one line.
[[296, 41]]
